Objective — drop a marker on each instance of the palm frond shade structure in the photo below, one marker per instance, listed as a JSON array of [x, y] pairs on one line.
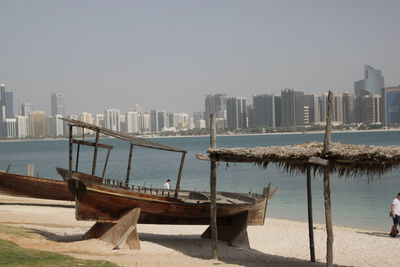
[[345, 159]]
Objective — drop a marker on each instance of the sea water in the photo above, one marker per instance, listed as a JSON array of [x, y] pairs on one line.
[[361, 202]]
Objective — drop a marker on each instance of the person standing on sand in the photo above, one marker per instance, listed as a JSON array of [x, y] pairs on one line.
[[167, 184], [395, 214]]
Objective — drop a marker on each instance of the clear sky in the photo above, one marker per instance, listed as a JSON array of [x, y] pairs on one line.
[[170, 54]]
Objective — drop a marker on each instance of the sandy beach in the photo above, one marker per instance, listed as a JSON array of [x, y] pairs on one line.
[[277, 243]]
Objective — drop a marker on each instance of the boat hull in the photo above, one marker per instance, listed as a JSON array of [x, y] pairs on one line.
[[35, 187], [106, 204]]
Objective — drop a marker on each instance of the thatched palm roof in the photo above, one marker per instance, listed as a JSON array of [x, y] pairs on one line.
[[345, 159]]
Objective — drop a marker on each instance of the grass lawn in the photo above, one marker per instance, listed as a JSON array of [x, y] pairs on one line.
[[13, 255]]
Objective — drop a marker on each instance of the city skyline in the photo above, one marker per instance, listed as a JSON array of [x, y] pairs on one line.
[[163, 55]]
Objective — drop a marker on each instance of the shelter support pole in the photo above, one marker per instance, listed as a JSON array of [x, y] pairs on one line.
[[178, 180], [328, 219], [128, 170], [213, 189], [95, 153], [105, 163], [327, 190], [77, 157], [70, 151], [310, 215]]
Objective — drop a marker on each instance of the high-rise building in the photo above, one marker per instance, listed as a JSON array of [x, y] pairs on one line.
[[88, 118], [292, 108], [55, 126], [236, 112], [112, 119], [391, 97], [22, 126], [372, 109], [197, 117], [6, 103], [215, 103], [8, 128], [372, 84], [337, 112], [348, 108], [133, 122], [57, 104], [37, 124], [264, 110], [278, 111], [146, 123], [25, 109], [99, 120], [181, 121]]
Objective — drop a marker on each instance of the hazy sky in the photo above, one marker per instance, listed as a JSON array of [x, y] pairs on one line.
[[170, 54]]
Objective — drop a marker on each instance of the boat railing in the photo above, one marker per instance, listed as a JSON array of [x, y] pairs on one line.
[[136, 188]]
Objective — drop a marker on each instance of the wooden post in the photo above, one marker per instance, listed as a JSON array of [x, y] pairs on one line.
[[310, 215], [95, 153], [77, 157], [328, 219], [178, 180], [105, 163], [128, 171], [328, 127], [327, 190], [70, 151], [213, 189]]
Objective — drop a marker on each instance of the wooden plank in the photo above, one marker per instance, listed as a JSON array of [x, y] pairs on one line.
[[128, 170], [95, 153], [202, 157], [178, 180], [310, 215], [319, 161], [213, 189], [88, 143]]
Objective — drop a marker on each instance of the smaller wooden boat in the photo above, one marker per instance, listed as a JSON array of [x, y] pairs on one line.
[[35, 187]]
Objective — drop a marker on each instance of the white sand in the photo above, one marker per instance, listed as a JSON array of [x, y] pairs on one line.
[[277, 243]]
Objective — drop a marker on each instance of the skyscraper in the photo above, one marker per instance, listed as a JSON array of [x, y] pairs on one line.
[[348, 108], [264, 110], [57, 104], [391, 97], [25, 109], [37, 122], [215, 103], [236, 112], [6, 103], [372, 84], [292, 108], [112, 119]]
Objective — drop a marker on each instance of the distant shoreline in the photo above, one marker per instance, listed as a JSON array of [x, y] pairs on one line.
[[153, 136]]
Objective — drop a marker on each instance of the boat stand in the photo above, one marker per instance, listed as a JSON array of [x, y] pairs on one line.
[[122, 234], [234, 232]]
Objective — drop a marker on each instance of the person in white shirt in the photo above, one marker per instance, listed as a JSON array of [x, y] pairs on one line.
[[167, 184], [395, 214]]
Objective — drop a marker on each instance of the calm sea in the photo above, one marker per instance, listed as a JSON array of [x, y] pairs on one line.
[[357, 202]]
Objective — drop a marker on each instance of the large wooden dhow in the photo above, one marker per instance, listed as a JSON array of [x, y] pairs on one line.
[[111, 202]]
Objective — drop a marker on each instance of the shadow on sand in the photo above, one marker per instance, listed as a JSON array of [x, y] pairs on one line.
[[194, 246]]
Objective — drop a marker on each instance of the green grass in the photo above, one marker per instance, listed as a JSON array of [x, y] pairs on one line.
[[18, 232], [13, 255]]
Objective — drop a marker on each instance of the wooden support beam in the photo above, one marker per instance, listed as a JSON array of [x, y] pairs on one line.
[[213, 189], [202, 157], [77, 157], [319, 161], [178, 180], [310, 215], [105, 163], [328, 127], [88, 143], [128, 170], [124, 233], [70, 151], [95, 153]]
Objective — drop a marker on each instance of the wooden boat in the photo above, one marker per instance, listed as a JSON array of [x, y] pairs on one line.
[[108, 200], [35, 187], [117, 206]]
